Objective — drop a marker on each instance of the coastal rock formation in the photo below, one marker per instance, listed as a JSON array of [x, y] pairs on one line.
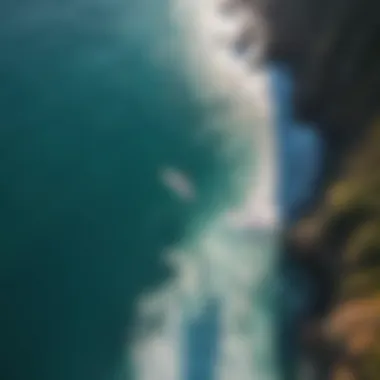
[[346, 228], [332, 49]]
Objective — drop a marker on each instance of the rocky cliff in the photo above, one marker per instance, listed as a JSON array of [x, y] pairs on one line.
[[332, 49]]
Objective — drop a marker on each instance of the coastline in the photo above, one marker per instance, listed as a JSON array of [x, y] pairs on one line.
[[297, 143], [222, 75]]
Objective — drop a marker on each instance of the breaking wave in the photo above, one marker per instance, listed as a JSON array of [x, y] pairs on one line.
[[221, 296]]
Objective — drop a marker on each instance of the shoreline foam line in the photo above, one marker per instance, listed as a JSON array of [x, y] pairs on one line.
[[217, 72], [208, 36], [237, 272]]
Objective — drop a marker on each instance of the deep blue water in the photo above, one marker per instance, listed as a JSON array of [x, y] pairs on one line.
[[300, 154], [203, 344]]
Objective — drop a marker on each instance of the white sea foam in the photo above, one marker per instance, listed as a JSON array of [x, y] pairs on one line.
[[236, 252]]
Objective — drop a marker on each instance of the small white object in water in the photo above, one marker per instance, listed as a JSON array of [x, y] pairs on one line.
[[179, 183]]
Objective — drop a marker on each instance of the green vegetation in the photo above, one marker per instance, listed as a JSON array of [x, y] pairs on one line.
[[346, 227]]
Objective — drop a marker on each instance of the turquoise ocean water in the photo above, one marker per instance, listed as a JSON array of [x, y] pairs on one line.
[[93, 110], [94, 107]]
